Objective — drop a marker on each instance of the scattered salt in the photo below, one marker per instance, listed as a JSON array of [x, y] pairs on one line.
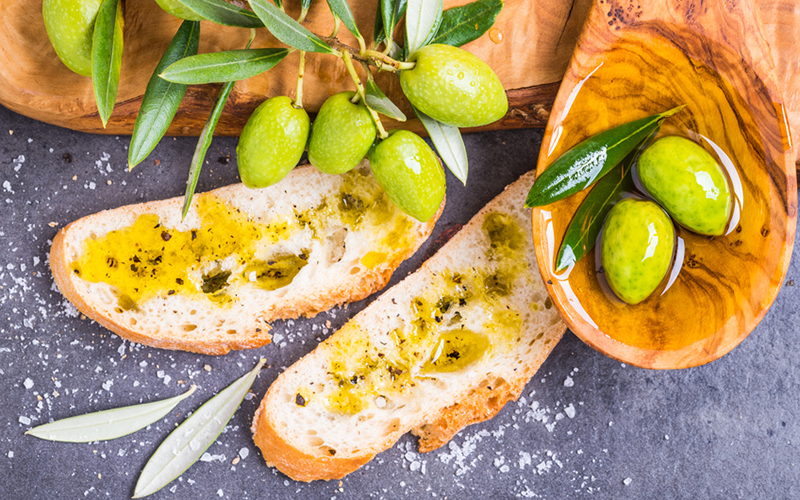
[[28, 383]]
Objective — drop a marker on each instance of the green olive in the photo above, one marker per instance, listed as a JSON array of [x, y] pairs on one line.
[[272, 142], [341, 135], [410, 172], [179, 10], [638, 240], [70, 24], [453, 86], [688, 182]]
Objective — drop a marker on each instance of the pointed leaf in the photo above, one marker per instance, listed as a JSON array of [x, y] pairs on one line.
[[190, 440], [588, 220], [390, 13], [203, 142], [378, 101], [342, 9], [222, 12], [107, 424], [223, 66], [449, 144], [585, 226], [464, 24], [287, 30], [590, 160], [162, 98], [378, 34], [107, 57], [422, 19]]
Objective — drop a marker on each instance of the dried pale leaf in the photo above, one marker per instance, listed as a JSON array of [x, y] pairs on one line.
[[422, 20], [186, 444], [378, 101], [107, 424], [449, 144]]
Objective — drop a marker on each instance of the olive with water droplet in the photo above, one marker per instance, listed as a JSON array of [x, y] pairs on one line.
[[454, 87], [272, 142], [688, 182], [341, 135], [636, 249], [410, 172]]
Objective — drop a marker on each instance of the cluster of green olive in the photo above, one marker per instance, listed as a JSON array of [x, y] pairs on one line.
[[686, 185], [447, 83]]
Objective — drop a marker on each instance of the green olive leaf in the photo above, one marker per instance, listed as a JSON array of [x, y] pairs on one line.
[[187, 443], [108, 424], [449, 144], [464, 24], [203, 142], [206, 135], [287, 30], [585, 226], [422, 20], [107, 57], [162, 98], [378, 101], [590, 160], [230, 65], [342, 9], [389, 13], [222, 12], [378, 34]]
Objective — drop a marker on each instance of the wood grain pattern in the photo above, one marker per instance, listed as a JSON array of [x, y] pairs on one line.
[[634, 59], [35, 83]]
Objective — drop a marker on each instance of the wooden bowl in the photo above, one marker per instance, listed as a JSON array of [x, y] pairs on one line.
[[639, 58]]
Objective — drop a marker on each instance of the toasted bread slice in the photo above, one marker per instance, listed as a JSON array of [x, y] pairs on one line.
[[445, 348], [241, 259]]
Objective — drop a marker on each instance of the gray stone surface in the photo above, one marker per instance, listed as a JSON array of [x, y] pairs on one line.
[[587, 426]]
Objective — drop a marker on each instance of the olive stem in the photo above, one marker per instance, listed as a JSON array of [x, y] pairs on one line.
[[348, 62], [336, 24], [380, 56], [298, 98], [373, 57], [303, 14]]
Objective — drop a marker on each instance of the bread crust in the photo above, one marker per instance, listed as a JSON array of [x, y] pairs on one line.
[[296, 464], [355, 288], [434, 427]]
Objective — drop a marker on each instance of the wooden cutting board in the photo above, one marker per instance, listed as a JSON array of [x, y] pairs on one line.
[[529, 48]]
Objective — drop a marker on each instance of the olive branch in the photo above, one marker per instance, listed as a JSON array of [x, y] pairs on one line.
[[425, 23]]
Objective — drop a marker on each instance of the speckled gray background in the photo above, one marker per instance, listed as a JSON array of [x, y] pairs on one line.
[[586, 427]]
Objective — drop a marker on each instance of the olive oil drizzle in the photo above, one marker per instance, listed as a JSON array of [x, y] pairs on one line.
[[458, 321], [148, 259]]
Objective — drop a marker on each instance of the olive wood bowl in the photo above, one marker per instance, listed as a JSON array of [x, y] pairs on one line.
[[634, 59]]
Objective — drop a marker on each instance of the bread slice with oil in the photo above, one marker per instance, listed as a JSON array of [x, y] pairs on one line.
[[445, 348], [241, 259]]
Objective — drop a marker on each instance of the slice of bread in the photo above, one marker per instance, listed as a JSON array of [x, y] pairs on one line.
[[241, 259], [445, 348]]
